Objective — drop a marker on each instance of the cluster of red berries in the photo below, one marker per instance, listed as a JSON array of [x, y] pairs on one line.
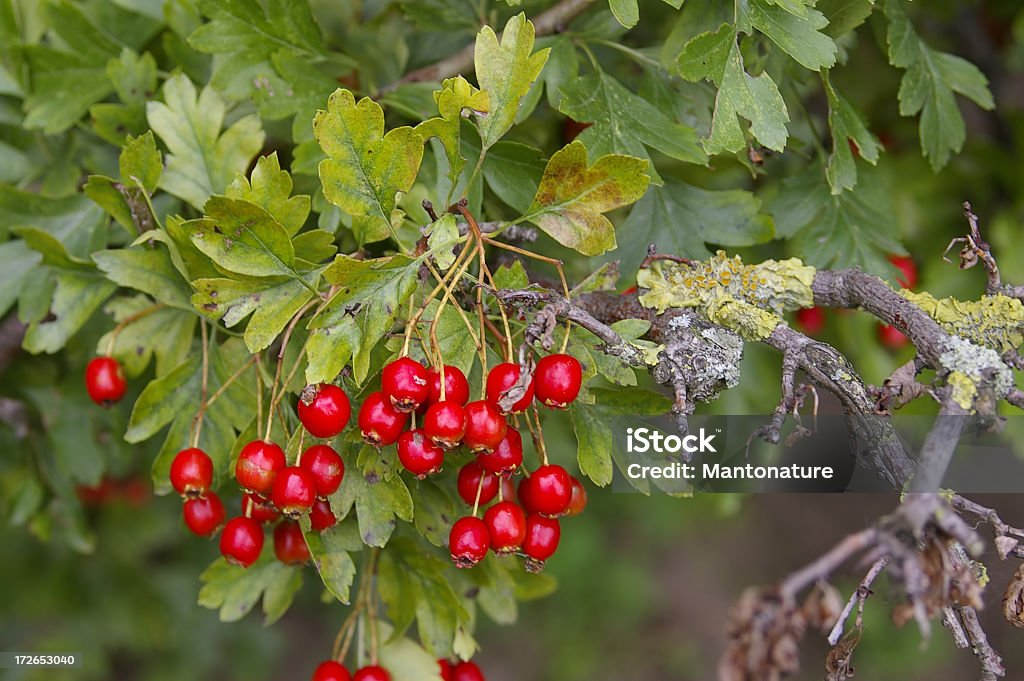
[[460, 671], [271, 488], [335, 671]]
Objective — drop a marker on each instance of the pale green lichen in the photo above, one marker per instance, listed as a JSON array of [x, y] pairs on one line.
[[993, 321], [727, 370], [748, 299], [968, 366]]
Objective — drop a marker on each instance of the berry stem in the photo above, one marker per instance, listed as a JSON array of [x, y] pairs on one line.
[[448, 277], [231, 379], [462, 313], [274, 398], [539, 441], [437, 315], [197, 420], [374, 638], [130, 320], [343, 641], [259, 396], [479, 490]]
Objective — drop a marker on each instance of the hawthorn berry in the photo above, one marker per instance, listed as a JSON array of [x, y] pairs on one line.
[[326, 468], [810, 320], [456, 387], [257, 466], [468, 541], [548, 491], [445, 424], [191, 472], [406, 384], [502, 377], [324, 410], [907, 267], [467, 671], [542, 535], [579, 499], [446, 669], [258, 509], [557, 380], [506, 525], [419, 454], [469, 482], [891, 337], [289, 544], [203, 514], [372, 673], [104, 381], [294, 491], [507, 456], [379, 423], [331, 671], [508, 489], [485, 427], [242, 541], [321, 516]]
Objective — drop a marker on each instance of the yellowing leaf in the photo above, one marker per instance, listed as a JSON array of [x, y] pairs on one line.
[[455, 96], [243, 238], [572, 197], [271, 188], [506, 71], [365, 168]]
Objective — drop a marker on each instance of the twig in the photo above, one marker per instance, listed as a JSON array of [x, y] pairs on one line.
[[859, 595]]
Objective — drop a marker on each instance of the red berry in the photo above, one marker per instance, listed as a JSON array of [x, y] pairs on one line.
[[406, 384], [242, 541], [203, 515], [331, 671], [467, 671], [257, 466], [485, 427], [907, 267], [419, 454], [321, 516], [445, 424], [542, 535], [506, 525], [891, 337], [456, 387], [557, 380], [446, 669], [258, 509], [469, 483], [191, 472], [289, 544], [294, 491], [468, 541], [379, 423], [104, 381], [811, 320], [326, 468], [373, 673], [579, 499], [629, 291], [507, 456], [501, 378], [548, 491], [324, 410]]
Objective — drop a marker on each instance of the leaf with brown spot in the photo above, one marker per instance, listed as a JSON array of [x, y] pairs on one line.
[[572, 197]]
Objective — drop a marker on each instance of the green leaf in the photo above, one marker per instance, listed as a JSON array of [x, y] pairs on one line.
[[165, 333], [928, 85], [76, 297], [330, 552], [272, 302], [435, 511], [441, 240], [625, 123], [694, 217], [511, 275], [572, 197], [844, 15], [456, 96], [148, 270], [162, 399], [371, 294], [365, 168], [855, 228], [513, 171], [244, 238], [271, 188], [235, 590], [404, 659], [505, 70], [716, 56], [379, 503], [142, 162], [847, 127], [799, 36], [202, 161], [627, 12], [134, 77]]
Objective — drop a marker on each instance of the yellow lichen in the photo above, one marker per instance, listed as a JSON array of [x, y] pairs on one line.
[[748, 299], [993, 321], [964, 390]]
